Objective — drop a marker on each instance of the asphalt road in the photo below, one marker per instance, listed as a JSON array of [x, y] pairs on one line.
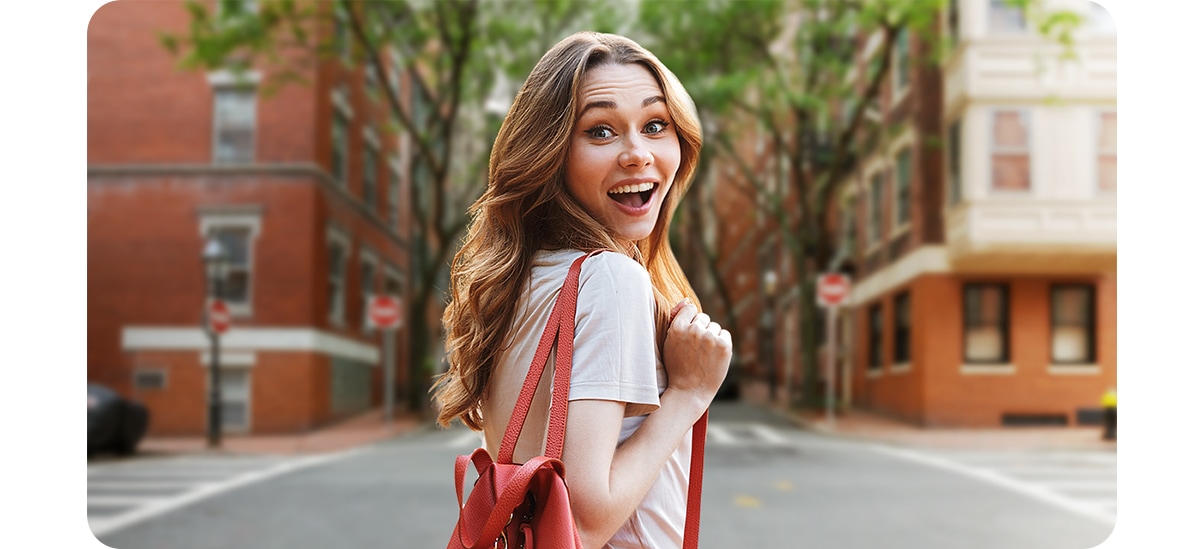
[[767, 485]]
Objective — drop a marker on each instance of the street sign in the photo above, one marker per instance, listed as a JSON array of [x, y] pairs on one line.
[[219, 316], [832, 289], [384, 311]]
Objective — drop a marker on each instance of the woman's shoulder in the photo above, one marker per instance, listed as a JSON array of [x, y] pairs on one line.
[[607, 269]]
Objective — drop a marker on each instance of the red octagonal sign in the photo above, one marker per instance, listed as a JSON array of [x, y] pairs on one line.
[[385, 311], [832, 289], [219, 316]]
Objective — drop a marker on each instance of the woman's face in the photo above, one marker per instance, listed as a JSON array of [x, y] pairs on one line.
[[624, 150]]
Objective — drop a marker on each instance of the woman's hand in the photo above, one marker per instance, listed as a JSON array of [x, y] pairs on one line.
[[697, 352]]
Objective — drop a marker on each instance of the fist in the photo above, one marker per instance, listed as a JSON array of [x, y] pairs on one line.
[[697, 351]]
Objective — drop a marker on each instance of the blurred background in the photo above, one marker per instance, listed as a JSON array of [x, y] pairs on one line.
[[955, 160]]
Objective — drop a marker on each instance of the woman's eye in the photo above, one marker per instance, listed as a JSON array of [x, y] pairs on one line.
[[600, 132], [656, 126]]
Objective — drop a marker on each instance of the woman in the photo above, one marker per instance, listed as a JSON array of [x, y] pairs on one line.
[[596, 152]]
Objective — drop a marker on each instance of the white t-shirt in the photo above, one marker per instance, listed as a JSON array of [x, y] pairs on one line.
[[614, 358]]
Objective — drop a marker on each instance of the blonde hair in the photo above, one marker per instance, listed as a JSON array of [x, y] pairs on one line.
[[526, 207]]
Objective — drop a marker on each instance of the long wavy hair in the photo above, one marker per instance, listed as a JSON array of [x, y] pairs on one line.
[[526, 207]]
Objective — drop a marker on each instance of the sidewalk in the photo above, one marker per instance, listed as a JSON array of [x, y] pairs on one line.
[[366, 428], [865, 425]]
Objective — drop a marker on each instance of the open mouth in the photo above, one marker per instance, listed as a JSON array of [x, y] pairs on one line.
[[633, 196]]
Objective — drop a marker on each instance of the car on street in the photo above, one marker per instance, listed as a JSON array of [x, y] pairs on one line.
[[115, 424]]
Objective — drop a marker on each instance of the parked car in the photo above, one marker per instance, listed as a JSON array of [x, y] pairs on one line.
[[115, 424]]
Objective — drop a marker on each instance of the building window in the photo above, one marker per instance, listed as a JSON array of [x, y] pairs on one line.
[[902, 328], [342, 35], [367, 287], [955, 163], [874, 224], [150, 379], [985, 323], [394, 197], [370, 169], [1005, 16], [236, 240], [338, 149], [876, 354], [1106, 152], [236, 399], [1009, 151], [903, 188], [901, 63], [233, 124], [1072, 311], [338, 249]]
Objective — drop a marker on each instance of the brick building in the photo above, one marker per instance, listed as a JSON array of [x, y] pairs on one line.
[[305, 189], [985, 266]]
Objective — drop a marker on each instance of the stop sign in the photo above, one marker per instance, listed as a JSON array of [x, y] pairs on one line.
[[219, 316], [384, 311], [832, 289]]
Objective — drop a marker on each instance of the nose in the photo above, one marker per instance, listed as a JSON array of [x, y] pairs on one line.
[[635, 154]]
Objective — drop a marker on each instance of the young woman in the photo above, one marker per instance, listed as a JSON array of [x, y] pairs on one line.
[[596, 152]]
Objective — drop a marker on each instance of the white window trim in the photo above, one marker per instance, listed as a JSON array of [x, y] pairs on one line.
[[371, 139], [224, 81], [368, 256], [1026, 118], [342, 103], [1067, 369], [225, 78], [339, 237], [241, 359], [874, 373], [1005, 369], [900, 368], [394, 206], [249, 217]]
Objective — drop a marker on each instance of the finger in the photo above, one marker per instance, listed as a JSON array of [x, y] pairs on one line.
[[702, 319], [684, 316], [673, 313], [726, 337], [714, 328]]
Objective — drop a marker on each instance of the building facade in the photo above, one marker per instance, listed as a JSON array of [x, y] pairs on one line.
[[305, 187], [984, 232]]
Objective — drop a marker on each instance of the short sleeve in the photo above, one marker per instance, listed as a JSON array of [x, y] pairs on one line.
[[614, 348]]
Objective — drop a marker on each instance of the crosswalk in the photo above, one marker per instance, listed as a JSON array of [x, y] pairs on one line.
[[1081, 481], [728, 433], [127, 492]]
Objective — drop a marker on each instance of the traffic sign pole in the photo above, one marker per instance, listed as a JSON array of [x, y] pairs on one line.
[[384, 312], [830, 292], [831, 363]]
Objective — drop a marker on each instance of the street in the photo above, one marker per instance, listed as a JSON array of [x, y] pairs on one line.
[[767, 484]]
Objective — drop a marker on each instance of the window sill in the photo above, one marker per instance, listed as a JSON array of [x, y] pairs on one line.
[[900, 368], [1071, 369], [873, 373], [900, 230], [988, 369]]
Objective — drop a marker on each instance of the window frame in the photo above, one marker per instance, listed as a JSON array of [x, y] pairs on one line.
[[368, 259], [370, 171], [221, 126], [954, 165], [250, 218], [900, 79], [394, 196], [1092, 326], [902, 193], [874, 210], [901, 329], [342, 116], [1004, 323], [876, 359], [246, 400], [336, 305], [994, 149]]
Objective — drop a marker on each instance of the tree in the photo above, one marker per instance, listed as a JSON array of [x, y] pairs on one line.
[[784, 67], [457, 55]]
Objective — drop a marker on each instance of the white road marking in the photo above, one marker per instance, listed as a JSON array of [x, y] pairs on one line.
[[1038, 492], [125, 501], [720, 435], [767, 433], [106, 525], [136, 485]]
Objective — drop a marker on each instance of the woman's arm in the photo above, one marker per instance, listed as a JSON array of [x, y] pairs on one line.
[[607, 484]]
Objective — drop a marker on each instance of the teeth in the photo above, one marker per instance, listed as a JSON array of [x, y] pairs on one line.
[[632, 188]]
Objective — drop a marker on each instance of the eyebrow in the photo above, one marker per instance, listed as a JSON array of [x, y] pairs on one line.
[[607, 104]]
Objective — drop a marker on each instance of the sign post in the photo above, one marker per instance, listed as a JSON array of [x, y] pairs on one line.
[[384, 311], [217, 322], [830, 292]]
